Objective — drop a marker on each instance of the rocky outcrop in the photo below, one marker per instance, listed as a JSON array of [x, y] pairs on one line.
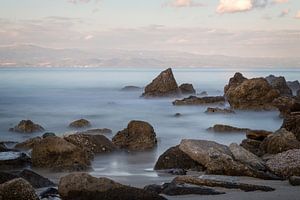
[[294, 180], [285, 164], [83, 186], [210, 110], [11, 159], [292, 123], [187, 88], [138, 135], [17, 189], [58, 154], [280, 84], [98, 131], [287, 105], [221, 128], [81, 123], [193, 100], [174, 158], [163, 85], [28, 144], [27, 126], [294, 86], [48, 134], [131, 88], [255, 93], [259, 135], [253, 146], [281, 140]]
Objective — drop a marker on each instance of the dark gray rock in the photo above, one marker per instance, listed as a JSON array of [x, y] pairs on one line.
[[193, 100], [27, 126], [187, 88]]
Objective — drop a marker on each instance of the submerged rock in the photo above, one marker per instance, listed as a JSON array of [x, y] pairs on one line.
[[17, 189], [292, 123], [193, 100], [58, 154], [259, 135], [187, 88], [28, 144], [294, 180], [83, 186], [27, 126], [138, 135], [163, 85], [221, 128], [174, 158], [280, 84], [81, 123], [48, 134], [219, 111], [286, 105], [11, 159], [131, 88], [98, 131]]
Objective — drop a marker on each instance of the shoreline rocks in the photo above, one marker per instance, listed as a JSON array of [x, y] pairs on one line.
[[12, 159], [131, 88], [187, 88], [81, 123], [98, 131], [294, 86], [221, 128], [217, 110], [280, 84], [27, 126], [193, 100]]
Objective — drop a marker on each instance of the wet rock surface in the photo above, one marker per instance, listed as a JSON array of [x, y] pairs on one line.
[[81, 123], [28, 144], [292, 123], [11, 159], [193, 100], [138, 135], [99, 131], [220, 128], [286, 105], [259, 135], [131, 88], [210, 110], [294, 86], [294, 180], [27, 126], [187, 88], [280, 84], [253, 146]]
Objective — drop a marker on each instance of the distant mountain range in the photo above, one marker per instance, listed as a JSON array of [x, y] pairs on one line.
[[35, 56]]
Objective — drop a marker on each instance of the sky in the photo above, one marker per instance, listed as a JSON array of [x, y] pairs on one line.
[[247, 28]]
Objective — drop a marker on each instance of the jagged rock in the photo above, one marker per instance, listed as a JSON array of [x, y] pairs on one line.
[[48, 134], [91, 143], [255, 93], [49, 193], [27, 126], [219, 183], [99, 131], [253, 146], [285, 164], [281, 140], [279, 83], [138, 135], [193, 100], [187, 88], [82, 186], [58, 154], [13, 159], [81, 123], [219, 110], [259, 135], [28, 144], [163, 85], [292, 123], [36, 180], [294, 86], [294, 180], [173, 189], [17, 189], [131, 88], [286, 105], [174, 158], [221, 128]]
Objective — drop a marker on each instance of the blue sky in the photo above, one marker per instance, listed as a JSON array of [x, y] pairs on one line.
[[263, 27]]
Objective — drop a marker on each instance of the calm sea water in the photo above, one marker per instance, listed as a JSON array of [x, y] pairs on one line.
[[55, 97]]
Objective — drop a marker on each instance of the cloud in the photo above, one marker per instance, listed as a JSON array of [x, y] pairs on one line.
[[88, 37], [233, 6], [298, 15], [280, 1], [183, 3], [284, 13]]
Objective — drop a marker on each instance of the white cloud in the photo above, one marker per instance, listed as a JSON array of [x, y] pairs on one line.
[[232, 6], [183, 3], [280, 1], [298, 15], [88, 37]]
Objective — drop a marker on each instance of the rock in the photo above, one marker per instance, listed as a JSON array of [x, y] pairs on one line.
[[131, 88], [221, 128], [193, 100], [259, 135], [177, 115], [176, 171], [49, 193], [254, 93], [28, 144], [12, 159], [36, 180], [138, 135], [219, 183], [187, 88], [292, 123], [48, 134], [5, 176], [91, 143], [173, 189], [98, 131], [294, 180], [253, 146], [219, 111], [83, 186], [246, 157], [294, 86], [163, 85], [58, 154], [281, 140], [17, 189], [286, 105], [81, 123], [27, 126], [279, 83], [174, 158], [204, 93], [285, 164], [3, 147]]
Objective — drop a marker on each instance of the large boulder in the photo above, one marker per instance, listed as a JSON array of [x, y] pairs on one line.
[[285, 164], [286, 105], [163, 85], [187, 88], [281, 140], [253, 146], [280, 84], [294, 86], [11, 159], [81, 123], [82, 186], [235, 81], [17, 189], [28, 144], [193, 100], [174, 158], [138, 135], [254, 93], [58, 154], [292, 123], [27, 126]]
